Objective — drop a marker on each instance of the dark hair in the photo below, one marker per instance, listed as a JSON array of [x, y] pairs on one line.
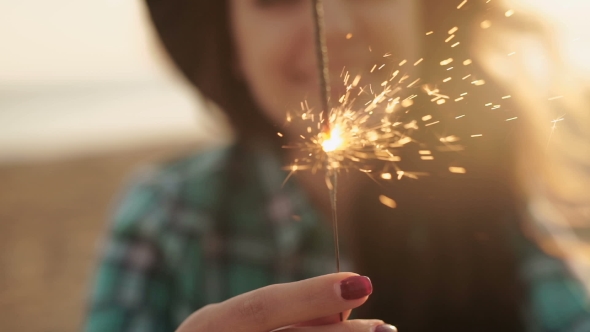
[[196, 35], [464, 218]]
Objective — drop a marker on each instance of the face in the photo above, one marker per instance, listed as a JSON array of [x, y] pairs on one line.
[[276, 54]]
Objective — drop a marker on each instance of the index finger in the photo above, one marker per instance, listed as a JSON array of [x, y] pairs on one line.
[[281, 305]]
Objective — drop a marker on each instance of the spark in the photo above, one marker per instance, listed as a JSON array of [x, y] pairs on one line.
[[555, 98], [449, 139], [555, 121], [509, 13], [485, 24], [429, 33], [418, 62], [356, 81], [462, 4], [348, 36], [456, 44], [407, 103], [477, 135], [514, 118], [467, 62], [414, 82], [457, 170], [390, 203], [280, 134], [446, 62], [432, 123], [460, 116]]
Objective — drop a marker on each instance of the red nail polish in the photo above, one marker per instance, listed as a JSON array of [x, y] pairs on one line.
[[385, 328], [355, 287]]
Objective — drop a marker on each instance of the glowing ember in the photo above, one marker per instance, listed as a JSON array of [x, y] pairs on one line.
[[457, 170], [333, 140], [390, 203]]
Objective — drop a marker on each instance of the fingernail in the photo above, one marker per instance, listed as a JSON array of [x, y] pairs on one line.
[[385, 328], [355, 287]]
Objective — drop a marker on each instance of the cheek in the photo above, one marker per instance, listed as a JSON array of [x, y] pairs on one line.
[[270, 53]]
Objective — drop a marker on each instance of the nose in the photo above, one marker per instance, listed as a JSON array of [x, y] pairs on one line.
[[339, 22]]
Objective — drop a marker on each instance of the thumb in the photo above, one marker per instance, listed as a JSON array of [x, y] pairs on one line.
[[333, 319]]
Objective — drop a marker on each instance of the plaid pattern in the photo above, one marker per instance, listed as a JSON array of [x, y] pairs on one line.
[[209, 227], [557, 301]]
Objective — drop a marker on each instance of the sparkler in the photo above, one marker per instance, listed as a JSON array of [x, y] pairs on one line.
[[333, 140], [360, 130], [347, 136]]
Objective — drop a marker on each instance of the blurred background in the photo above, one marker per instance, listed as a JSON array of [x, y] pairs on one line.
[[86, 96]]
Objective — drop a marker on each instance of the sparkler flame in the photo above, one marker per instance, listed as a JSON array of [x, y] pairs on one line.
[[332, 140], [351, 137]]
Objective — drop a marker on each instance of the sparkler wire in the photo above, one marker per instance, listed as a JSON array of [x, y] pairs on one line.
[[324, 76], [322, 59], [333, 196]]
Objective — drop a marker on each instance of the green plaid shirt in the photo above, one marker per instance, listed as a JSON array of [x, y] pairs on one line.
[[206, 228]]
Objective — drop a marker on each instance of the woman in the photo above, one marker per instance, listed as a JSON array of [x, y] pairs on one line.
[[219, 226]]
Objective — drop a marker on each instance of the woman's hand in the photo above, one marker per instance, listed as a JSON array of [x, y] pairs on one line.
[[311, 305]]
